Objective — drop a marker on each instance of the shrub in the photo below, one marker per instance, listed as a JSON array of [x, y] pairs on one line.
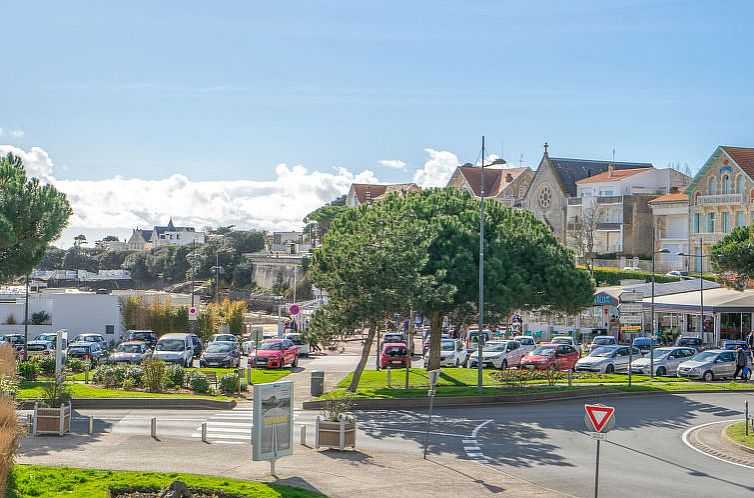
[[7, 361], [76, 365], [8, 386], [109, 375], [129, 383], [174, 375], [10, 432], [228, 383], [47, 365], [135, 374], [154, 375], [55, 394], [198, 382], [28, 370]]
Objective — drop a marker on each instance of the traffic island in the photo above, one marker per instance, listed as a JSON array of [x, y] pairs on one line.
[[712, 439]]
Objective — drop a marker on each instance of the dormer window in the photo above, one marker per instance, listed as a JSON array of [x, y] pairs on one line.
[[726, 184], [712, 187]]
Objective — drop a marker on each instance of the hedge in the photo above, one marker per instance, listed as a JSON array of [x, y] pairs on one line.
[[613, 276]]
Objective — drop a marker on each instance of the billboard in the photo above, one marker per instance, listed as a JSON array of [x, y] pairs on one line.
[[272, 428]]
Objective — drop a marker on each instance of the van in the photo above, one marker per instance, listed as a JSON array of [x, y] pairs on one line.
[[472, 339], [298, 341], [175, 348]]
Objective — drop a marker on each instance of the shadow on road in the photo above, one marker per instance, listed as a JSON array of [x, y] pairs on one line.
[[298, 482], [46, 444]]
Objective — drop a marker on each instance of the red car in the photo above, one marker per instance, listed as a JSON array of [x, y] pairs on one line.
[[274, 353], [395, 354], [551, 356]]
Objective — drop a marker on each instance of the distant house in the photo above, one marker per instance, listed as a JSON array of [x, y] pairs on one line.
[[142, 240], [555, 182], [364, 193], [506, 185]]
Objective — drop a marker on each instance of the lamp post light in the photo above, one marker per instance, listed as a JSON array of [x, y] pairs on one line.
[[701, 285], [653, 336], [193, 258]]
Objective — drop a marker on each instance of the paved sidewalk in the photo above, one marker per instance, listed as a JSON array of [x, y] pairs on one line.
[[335, 474], [336, 367], [711, 440]]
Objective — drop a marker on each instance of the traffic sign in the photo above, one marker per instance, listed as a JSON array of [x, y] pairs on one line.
[[599, 418], [631, 319], [295, 309], [192, 313], [629, 308], [632, 327], [630, 296]]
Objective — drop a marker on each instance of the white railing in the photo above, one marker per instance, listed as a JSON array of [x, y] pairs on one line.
[[713, 200], [673, 235]]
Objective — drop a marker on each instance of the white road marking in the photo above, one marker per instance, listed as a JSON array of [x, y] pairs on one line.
[[685, 439]]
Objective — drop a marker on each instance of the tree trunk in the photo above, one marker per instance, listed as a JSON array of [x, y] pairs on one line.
[[364, 358], [435, 338]]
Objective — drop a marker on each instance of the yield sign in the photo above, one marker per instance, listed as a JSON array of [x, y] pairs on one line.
[[599, 418]]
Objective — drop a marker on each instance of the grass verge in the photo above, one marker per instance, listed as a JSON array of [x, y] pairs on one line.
[[54, 482], [737, 432], [33, 389]]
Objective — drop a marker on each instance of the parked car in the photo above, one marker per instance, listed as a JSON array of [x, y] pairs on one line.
[[130, 352], [527, 342], [690, 342], [395, 354], [473, 336], [709, 365], [551, 356], [175, 348], [644, 344], [248, 345], [607, 359], [499, 354], [98, 338], [274, 353], [567, 339], [15, 340], [602, 340], [91, 351], [223, 338], [631, 268], [40, 348], [198, 346], [298, 340], [425, 345], [221, 354], [53, 338], [684, 275], [733, 345], [665, 362], [141, 335], [452, 354]]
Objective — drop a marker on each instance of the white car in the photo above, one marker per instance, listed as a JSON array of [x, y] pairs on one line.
[[298, 340], [452, 354], [500, 354], [248, 345], [607, 359], [527, 342], [666, 361], [566, 339]]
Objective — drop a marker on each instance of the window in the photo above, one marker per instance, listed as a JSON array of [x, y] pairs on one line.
[[712, 186], [545, 197], [710, 223], [697, 222], [726, 184], [740, 219], [109, 329], [741, 185], [725, 221]]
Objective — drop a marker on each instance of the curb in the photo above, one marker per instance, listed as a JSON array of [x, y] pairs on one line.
[[451, 401], [740, 446], [143, 403]]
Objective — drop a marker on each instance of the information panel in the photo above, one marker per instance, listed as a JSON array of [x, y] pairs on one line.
[[272, 427]]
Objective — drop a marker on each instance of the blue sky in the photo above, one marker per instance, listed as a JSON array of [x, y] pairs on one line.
[[229, 90]]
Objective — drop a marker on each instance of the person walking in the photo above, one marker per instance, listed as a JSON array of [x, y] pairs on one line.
[[742, 360]]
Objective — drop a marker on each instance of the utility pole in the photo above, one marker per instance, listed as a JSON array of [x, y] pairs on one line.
[[26, 320], [480, 347]]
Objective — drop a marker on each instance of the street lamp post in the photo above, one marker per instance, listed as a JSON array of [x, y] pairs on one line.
[[480, 344], [192, 259], [654, 322]]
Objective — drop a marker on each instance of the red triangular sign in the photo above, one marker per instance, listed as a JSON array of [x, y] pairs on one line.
[[599, 415]]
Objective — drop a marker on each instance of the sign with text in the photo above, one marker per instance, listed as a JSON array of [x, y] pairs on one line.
[[630, 296], [629, 308], [599, 418], [630, 319], [272, 427]]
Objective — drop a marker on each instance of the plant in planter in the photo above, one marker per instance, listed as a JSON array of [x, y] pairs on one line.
[[336, 428], [52, 413]]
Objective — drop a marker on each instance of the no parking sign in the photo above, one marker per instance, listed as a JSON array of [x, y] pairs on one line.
[[295, 309]]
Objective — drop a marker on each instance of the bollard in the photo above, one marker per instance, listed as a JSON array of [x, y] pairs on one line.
[[248, 377], [86, 373], [91, 424], [154, 427], [303, 435], [204, 432], [29, 422], [389, 377], [570, 378], [746, 410]]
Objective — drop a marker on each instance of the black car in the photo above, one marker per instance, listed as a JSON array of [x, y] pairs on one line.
[[141, 335], [198, 346], [221, 354], [91, 351], [15, 340], [691, 342]]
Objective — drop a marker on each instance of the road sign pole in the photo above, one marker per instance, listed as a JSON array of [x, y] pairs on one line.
[[597, 470]]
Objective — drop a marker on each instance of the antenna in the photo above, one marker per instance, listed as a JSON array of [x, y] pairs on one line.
[[613, 154], [502, 148], [521, 159]]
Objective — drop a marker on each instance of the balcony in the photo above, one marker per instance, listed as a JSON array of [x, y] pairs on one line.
[[672, 235], [611, 199], [708, 237], [609, 226], [574, 201], [719, 199]]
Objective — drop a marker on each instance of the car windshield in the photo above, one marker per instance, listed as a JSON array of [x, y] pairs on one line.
[[78, 349], [47, 337], [474, 336], [88, 338], [706, 356], [395, 351], [689, 341], [296, 339], [544, 350], [36, 347], [16, 339], [140, 336], [603, 352], [171, 345], [661, 353], [562, 340], [448, 346], [215, 347], [495, 347], [526, 340], [129, 348], [603, 341], [271, 346]]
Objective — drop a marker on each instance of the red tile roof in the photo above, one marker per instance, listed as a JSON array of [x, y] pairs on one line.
[[616, 174], [675, 197], [495, 179], [366, 192], [743, 156]]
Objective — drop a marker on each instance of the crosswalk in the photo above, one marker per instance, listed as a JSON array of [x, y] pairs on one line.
[[234, 426]]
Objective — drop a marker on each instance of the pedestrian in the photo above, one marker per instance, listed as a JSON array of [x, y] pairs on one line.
[[750, 340], [742, 361]]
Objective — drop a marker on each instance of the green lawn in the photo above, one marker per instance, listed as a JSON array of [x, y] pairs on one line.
[[737, 432], [462, 382], [258, 375], [33, 389], [57, 482]]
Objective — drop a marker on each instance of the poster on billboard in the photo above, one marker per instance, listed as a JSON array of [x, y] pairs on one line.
[[272, 428]]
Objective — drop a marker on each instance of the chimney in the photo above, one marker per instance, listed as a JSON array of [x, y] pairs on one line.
[[610, 169], [674, 190], [508, 178]]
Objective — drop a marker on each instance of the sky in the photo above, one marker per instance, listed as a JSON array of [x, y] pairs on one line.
[[255, 113]]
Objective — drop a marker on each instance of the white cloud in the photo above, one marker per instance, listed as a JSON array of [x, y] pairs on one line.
[[38, 163], [119, 204], [437, 170], [12, 133], [393, 163]]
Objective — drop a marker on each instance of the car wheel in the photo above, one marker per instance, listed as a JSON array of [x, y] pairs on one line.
[[708, 376], [188, 363], [609, 369], [504, 365], [457, 364], [661, 371], [295, 362]]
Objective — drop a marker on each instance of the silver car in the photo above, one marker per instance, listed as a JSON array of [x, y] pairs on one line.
[[666, 361], [452, 354], [709, 365], [607, 359]]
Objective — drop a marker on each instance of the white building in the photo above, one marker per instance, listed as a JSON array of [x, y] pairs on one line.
[[144, 240], [671, 220]]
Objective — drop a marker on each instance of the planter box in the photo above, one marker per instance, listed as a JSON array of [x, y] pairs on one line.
[[335, 434], [52, 420]]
